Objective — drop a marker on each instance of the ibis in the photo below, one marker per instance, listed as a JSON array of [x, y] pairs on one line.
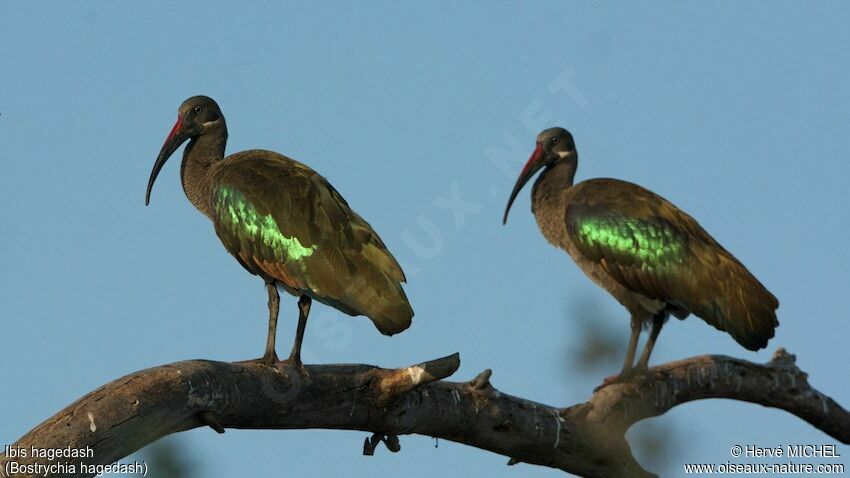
[[655, 259], [285, 223]]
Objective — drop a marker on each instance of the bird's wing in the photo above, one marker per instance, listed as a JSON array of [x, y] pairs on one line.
[[283, 220], [651, 247]]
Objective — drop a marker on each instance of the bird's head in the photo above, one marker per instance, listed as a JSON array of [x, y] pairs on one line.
[[553, 145], [196, 116]]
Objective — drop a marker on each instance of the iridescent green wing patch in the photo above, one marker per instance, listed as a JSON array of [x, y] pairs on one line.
[[648, 243], [253, 232]]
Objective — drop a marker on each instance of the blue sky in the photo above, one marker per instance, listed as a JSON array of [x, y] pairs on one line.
[[735, 112]]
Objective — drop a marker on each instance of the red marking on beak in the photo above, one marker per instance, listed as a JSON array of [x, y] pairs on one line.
[[531, 160], [174, 130]]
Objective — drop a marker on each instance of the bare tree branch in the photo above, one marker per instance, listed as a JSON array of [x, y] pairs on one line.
[[586, 439], [776, 384]]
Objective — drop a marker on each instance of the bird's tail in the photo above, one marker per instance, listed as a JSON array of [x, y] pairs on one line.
[[741, 306], [375, 290], [379, 296], [392, 313]]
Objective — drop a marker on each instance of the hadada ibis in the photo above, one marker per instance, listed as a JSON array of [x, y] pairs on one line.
[[655, 259], [285, 223]]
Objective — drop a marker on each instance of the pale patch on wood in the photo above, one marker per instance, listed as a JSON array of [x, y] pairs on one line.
[[416, 373], [92, 425]]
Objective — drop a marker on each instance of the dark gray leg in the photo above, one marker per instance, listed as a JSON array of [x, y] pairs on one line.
[[628, 371], [303, 311], [657, 323], [270, 356], [630, 353]]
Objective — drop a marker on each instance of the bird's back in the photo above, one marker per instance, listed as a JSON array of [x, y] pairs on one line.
[[282, 220], [650, 247]]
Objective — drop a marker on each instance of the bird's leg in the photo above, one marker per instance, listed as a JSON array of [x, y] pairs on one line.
[[303, 311], [630, 352], [627, 371], [270, 356], [657, 323]]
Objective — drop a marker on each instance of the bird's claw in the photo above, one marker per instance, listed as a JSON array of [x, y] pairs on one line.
[[269, 359], [295, 362], [611, 380], [623, 377]]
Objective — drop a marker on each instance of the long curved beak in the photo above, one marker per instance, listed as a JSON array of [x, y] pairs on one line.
[[176, 137], [532, 166]]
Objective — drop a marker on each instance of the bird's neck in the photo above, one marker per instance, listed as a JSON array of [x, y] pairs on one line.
[[554, 181], [547, 198], [201, 156]]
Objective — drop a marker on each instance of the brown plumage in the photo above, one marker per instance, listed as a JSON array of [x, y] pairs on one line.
[[652, 257], [350, 267], [285, 223]]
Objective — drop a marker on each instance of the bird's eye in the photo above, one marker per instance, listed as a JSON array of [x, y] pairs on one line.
[[198, 109], [554, 140]]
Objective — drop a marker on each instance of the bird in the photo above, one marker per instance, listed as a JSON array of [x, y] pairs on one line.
[[652, 257], [285, 223]]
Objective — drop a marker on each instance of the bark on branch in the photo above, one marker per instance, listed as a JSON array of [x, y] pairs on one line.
[[586, 439]]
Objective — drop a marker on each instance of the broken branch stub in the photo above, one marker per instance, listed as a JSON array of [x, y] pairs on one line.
[[390, 384]]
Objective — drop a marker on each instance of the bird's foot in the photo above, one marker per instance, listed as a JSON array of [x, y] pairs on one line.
[[623, 377], [294, 361], [611, 380], [639, 370], [269, 358]]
